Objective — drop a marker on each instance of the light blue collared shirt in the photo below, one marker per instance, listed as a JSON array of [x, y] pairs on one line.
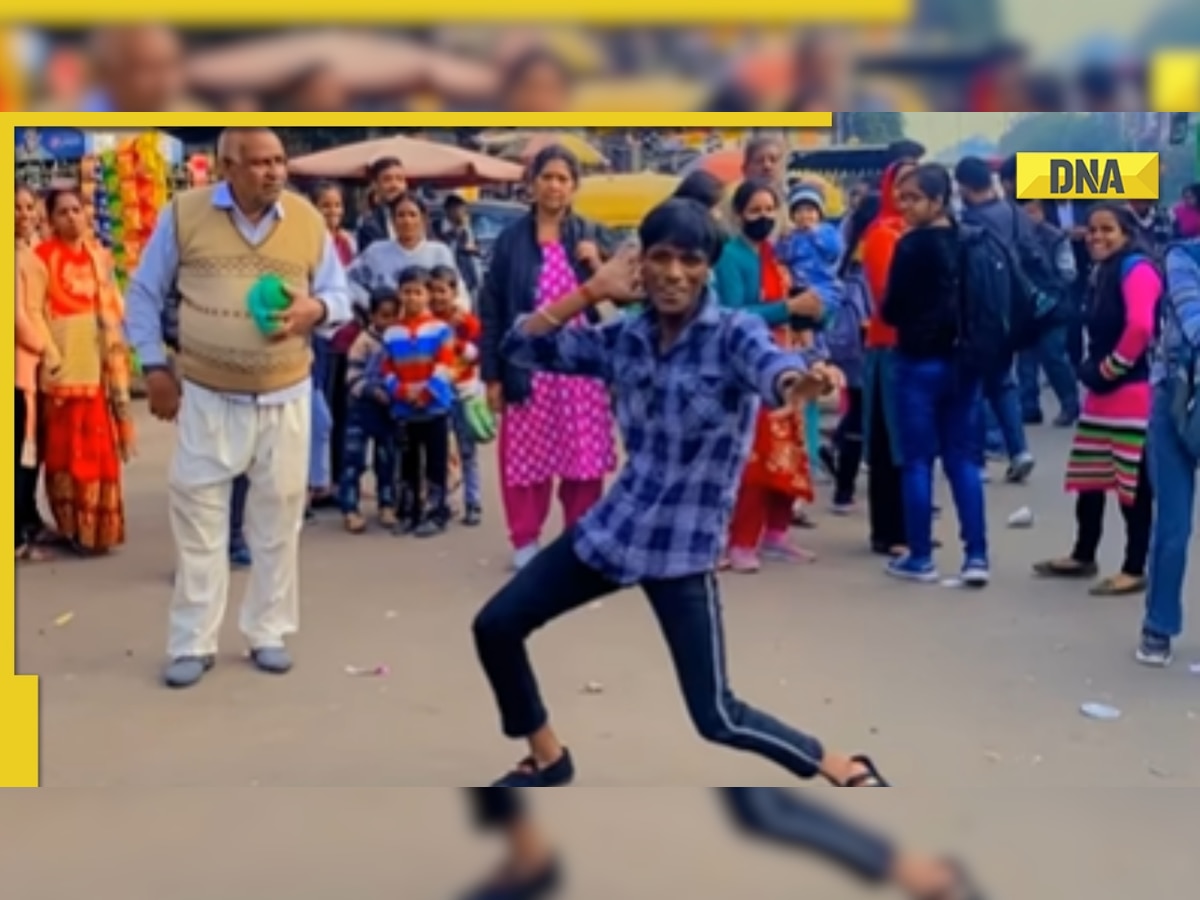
[[153, 285]]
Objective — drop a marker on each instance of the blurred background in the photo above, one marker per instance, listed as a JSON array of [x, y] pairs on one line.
[[955, 55]]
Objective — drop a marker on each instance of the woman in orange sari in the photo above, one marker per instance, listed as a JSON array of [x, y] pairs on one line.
[[87, 424], [777, 473]]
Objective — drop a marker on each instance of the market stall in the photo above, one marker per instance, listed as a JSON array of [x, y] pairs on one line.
[[425, 162]]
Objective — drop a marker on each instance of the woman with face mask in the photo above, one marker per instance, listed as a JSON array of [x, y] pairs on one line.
[[750, 278]]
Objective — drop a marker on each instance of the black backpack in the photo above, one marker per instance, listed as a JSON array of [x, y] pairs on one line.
[[1043, 289], [995, 303]]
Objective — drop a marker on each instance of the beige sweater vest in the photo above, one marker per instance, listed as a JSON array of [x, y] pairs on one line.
[[220, 346]]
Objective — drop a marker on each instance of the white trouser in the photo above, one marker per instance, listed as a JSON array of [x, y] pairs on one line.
[[219, 439]]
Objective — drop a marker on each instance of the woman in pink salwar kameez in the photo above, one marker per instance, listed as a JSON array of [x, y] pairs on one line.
[[553, 428]]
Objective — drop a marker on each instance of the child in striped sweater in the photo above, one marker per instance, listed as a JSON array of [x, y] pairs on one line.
[[443, 294], [368, 421], [416, 371]]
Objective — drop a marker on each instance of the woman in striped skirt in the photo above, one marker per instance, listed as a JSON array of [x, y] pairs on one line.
[[1108, 452]]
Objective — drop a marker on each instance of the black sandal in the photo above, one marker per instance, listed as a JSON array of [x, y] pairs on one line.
[[963, 887], [869, 778]]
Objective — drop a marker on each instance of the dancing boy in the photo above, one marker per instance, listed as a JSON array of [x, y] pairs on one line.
[[687, 377]]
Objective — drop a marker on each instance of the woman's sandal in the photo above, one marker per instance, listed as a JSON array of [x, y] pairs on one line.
[[962, 887], [869, 777], [48, 537], [1118, 586], [1065, 568], [34, 553]]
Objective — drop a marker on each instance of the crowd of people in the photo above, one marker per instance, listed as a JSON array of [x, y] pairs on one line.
[[409, 372]]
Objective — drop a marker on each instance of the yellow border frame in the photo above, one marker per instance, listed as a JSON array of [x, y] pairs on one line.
[[19, 693], [225, 13]]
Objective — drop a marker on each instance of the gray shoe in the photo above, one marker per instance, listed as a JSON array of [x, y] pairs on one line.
[[185, 671], [275, 660], [1020, 469]]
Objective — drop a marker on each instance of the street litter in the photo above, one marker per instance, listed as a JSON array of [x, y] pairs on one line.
[[64, 619], [373, 671], [1100, 711], [593, 687], [1022, 518]]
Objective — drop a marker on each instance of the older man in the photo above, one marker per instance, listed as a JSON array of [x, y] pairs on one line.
[[247, 401], [764, 158]]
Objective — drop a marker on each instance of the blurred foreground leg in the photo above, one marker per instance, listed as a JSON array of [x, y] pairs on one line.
[[788, 818], [530, 870]]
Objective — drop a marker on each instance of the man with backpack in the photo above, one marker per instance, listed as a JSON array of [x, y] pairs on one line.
[[1174, 447], [1050, 353], [984, 208]]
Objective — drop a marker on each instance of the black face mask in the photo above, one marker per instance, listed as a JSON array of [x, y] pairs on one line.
[[758, 229]]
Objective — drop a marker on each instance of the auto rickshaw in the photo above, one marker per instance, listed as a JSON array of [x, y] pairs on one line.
[[618, 203]]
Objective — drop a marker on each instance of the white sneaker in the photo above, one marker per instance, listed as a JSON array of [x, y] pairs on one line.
[[523, 556]]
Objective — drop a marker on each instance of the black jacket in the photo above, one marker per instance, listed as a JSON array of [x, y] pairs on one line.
[[373, 227], [923, 289], [509, 290]]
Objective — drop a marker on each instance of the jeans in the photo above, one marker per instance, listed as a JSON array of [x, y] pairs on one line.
[[424, 464], [1048, 354], [369, 427], [468, 457], [940, 409], [688, 609], [885, 500], [320, 476], [848, 442], [1000, 392], [237, 513], [796, 820], [1173, 474]]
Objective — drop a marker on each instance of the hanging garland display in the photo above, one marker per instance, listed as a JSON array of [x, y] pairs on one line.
[[127, 186]]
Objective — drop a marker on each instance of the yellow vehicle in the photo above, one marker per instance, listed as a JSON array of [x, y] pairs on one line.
[[620, 202]]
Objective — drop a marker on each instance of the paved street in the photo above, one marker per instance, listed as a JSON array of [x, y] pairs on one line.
[[946, 689]]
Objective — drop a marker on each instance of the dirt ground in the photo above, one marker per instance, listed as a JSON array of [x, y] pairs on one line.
[[945, 689]]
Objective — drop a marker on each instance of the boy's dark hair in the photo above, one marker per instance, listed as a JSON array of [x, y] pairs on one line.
[[704, 187], [380, 298], [685, 224], [973, 173], [447, 274], [378, 166], [1008, 169], [905, 149], [413, 275]]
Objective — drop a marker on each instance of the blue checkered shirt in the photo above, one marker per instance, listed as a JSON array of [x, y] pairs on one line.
[[687, 420]]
